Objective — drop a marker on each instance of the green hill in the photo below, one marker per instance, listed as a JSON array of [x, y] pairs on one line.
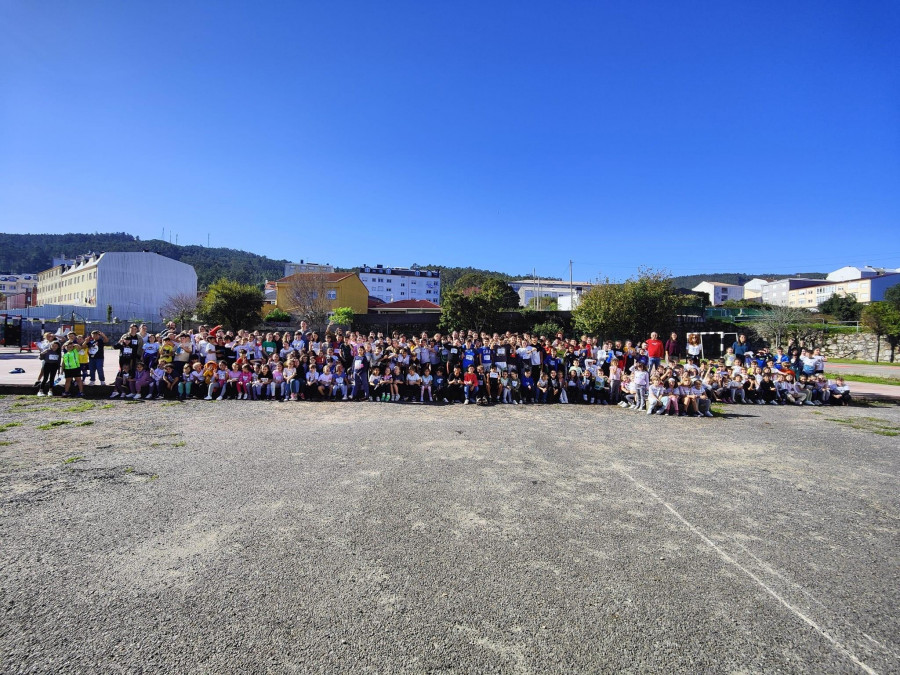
[[20, 253]]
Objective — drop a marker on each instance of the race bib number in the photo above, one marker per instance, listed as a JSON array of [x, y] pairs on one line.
[[126, 351], [93, 351]]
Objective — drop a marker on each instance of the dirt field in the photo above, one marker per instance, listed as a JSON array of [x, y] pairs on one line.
[[245, 537]]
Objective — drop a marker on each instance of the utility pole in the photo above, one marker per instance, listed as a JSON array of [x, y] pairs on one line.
[[571, 292], [207, 240]]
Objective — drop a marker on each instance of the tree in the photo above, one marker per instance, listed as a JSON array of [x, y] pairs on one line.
[[306, 297], [883, 319], [465, 308], [109, 314], [470, 280], [630, 310], [179, 308], [544, 303], [779, 322], [499, 293], [842, 307], [892, 296], [232, 304], [342, 316]]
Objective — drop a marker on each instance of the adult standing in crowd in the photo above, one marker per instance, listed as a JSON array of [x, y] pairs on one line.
[[655, 351], [741, 347], [96, 344], [673, 348]]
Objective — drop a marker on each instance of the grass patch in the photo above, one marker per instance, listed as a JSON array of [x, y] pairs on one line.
[[107, 406], [3, 443], [84, 406], [168, 404], [70, 460], [869, 379], [54, 424], [129, 469], [131, 402], [154, 476], [19, 408], [874, 425], [717, 409], [9, 425], [86, 423], [179, 444]]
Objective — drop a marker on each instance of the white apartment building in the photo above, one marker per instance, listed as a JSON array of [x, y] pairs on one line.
[[135, 284], [719, 292], [392, 284], [547, 288], [303, 266]]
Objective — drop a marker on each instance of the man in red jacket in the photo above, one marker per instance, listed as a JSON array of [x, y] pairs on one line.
[[655, 351]]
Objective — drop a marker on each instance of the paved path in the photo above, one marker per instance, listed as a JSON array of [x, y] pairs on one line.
[[860, 369]]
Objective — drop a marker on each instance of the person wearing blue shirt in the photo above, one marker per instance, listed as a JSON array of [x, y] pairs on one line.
[[527, 387], [469, 355], [486, 357]]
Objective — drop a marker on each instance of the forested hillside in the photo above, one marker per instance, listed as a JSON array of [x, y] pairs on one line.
[[34, 252]]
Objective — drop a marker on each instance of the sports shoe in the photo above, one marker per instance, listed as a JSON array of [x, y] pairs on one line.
[[446, 401], [40, 393], [344, 399], [208, 398], [221, 398], [708, 414], [138, 396], [115, 394], [129, 395], [466, 402]]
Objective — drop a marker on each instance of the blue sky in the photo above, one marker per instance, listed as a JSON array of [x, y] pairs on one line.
[[690, 136]]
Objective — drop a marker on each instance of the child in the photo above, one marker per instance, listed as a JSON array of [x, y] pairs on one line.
[[671, 398], [840, 393], [737, 390], [615, 381], [218, 382], [505, 394], [425, 388], [387, 385], [340, 383], [276, 386], [120, 386], [72, 368], [171, 381], [528, 389], [325, 382], [470, 385], [312, 381], [151, 352], [482, 384], [52, 358], [157, 382], [375, 390], [493, 384], [245, 382], [184, 384], [641, 384], [543, 388], [413, 384], [396, 381], [140, 380], [655, 395], [514, 387]]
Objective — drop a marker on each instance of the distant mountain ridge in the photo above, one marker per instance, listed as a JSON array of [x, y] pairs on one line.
[[31, 253]]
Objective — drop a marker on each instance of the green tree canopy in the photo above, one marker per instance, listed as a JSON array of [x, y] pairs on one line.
[[631, 310], [892, 296], [842, 307], [232, 304], [883, 319], [478, 310]]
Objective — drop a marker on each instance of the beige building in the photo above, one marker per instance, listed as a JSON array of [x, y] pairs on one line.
[[870, 289]]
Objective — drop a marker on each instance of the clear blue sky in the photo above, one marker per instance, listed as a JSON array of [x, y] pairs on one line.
[[691, 136]]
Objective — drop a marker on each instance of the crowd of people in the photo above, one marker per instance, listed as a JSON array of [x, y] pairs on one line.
[[467, 367]]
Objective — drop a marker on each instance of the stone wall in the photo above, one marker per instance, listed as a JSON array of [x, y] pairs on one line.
[[856, 346]]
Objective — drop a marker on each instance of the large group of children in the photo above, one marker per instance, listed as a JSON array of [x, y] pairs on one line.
[[651, 376]]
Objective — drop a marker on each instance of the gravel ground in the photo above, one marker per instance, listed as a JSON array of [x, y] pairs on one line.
[[245, 537]]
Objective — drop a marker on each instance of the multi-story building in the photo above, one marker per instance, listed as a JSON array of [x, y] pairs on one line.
[[303, 266], [867, 289], [401, 283], [134, 284], [549, 288], [719, 292], [776, 292], [18, 290], [753, 288], [849, 273]]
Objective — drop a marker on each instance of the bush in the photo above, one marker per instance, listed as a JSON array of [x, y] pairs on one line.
[[548, 328], [277, 315]]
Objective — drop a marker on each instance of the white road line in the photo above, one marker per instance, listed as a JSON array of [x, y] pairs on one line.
[[727, 558]]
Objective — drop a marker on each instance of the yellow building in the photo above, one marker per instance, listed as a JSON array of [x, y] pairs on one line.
[[870, 289], [342, 289]]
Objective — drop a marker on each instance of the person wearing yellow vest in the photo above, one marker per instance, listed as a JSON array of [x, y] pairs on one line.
[[72, 368]]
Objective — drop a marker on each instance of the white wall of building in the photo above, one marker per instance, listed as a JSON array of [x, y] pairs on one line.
[[139, 284], [393, 284]]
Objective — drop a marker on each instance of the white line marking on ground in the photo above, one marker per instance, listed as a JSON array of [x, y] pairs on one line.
[[727, 558]]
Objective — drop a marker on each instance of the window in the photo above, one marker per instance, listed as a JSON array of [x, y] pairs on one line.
[[332, 295], [402, 293]]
